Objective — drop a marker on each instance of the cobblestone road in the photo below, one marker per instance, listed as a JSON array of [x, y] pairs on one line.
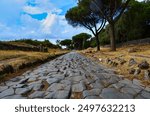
[[72, 76]]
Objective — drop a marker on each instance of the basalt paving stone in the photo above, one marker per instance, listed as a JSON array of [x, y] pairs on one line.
[[72, 76], [7, 92], [15, 97], [112, 93], [2, 88], [37, 94]]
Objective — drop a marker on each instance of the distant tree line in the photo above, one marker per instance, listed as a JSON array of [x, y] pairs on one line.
[[78, 42], [45, 43]]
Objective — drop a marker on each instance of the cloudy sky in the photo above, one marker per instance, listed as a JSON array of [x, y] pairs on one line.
[[37, 19]]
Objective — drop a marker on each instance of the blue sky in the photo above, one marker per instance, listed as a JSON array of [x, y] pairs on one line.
[[37, 19]]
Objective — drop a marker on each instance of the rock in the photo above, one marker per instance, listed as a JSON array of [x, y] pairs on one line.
[[16, 79], [15, 97], [22, 81], [78, 87], [144, 65], [34, 83], [145, 94], [18, 86], [137, 82], [58, 76], [129, 90], [61, 95], [66, 82], [147, 75], [10, 83], [92, 92], [7, 92], [77, 79], [132, 71], [139, 97], [132, 62], [92, 97], [20, 91], [2, 84], [113, 79], [38, 86], [147, 89], [58, 86], [31, 79], [52, 80], [2, 88], [118, 85], [37, 94], [97, 85], [112, 93], [50, 95], [137, 72]]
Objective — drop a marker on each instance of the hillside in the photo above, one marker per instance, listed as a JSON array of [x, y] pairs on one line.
[[27, 45], [21, 55]]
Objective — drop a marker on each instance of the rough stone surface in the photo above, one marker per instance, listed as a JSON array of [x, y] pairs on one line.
[[7, 92], [78, 87], [132, 62], [2, 88], [37, 94], [144, 65], [111, 93], [15, 97], [20, 91], [74, 76], [92, 92]]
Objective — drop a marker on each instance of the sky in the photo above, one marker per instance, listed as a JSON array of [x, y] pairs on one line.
[[36, 19]]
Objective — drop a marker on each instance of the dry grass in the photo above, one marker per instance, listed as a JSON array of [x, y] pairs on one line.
[[16, 57], [23, 59], [142, 53]]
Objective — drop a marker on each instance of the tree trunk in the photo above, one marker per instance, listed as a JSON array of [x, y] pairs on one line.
[[112, 36], [97, 42]]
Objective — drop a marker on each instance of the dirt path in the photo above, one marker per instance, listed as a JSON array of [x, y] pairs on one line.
[[72, 76]]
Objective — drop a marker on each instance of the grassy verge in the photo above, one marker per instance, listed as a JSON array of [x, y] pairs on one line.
[[140, 53], [14, 62]]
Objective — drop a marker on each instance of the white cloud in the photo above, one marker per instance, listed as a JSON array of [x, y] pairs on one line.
[[32, 10], [15, 24], [48, 23]]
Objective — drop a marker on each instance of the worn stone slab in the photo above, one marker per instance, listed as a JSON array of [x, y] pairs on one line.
[[92, 92], [52, 80], [58, 86], [15, 97], [20, 91], [37, 94], [2, 88], [112, 93], [93, 97], [78, 87], [7, 92], [145, 94]]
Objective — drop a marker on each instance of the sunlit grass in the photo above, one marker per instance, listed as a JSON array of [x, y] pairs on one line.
[[16, 58], [143, 53]]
